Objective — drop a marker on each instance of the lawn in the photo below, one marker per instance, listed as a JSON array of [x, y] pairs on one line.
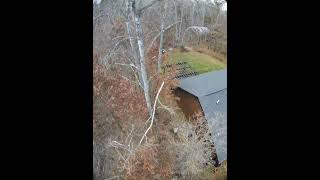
[[198, 61]]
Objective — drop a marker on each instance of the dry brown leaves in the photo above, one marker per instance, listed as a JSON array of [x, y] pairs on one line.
[[150, 162]]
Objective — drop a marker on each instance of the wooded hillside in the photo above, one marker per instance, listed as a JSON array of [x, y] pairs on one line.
[[139, 131]]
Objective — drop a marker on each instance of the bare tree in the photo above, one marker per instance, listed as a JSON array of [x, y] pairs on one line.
[[176, 37], [130, 35], [140, 39], [162, 34], [128, 38], [143, 69], [181, 21], [192, 14]]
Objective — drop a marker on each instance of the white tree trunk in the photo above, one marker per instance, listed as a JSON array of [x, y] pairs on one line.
[[181, 19], [204, 15], [192, 20], [130, 36], [192, 14], [161, 35], [177, 27], [153, 113], [142, 61]]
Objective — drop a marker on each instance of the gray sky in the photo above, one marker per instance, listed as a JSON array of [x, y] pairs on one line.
[[224, 7]]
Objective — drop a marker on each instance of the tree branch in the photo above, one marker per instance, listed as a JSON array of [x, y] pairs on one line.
[[130, 65], [138, 83], [170, 110], [105, 58], [147, 6], [154, 110], [157, 36]]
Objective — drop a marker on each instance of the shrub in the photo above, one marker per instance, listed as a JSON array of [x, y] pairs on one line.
[[193, 152]]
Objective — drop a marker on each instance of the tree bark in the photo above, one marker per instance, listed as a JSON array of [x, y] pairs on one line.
[[204, 15], [177, 27], [181, 19], [130, 35], [143, 69], [161, 35], [192, 14], [152, 114]]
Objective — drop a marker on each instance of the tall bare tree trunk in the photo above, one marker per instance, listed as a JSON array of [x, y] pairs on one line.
[[161, 35], [130, 36], [192, 14], [204, 15], [218, 15], [177, 28], [181, 19], [190, 36], [143, 69]]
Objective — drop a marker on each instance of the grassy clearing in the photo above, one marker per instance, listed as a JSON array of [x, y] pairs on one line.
[[198, 61]]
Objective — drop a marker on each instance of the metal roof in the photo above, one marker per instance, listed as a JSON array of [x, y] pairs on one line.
[[214, 107], [218, 128], [206, 83], [211, 90], [214, 102]]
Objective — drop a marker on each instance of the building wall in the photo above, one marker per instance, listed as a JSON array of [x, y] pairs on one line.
[[188, 103]]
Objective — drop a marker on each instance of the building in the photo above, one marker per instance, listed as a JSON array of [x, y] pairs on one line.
[[207, 94]]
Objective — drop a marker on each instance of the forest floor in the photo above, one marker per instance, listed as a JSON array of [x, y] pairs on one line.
[[199, 62]]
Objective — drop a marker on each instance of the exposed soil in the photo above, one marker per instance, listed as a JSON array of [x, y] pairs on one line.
[[188, 103], [191, 108]]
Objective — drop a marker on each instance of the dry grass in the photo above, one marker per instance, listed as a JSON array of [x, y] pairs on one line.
[[203, 49], [221, 172], [213, 173], [192, 152], [150, 162], [198, 61]]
